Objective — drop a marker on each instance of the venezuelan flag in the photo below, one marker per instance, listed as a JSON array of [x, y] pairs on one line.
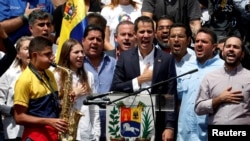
[[73, 23]]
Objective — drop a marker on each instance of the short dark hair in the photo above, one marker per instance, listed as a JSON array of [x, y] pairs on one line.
[[93, 27], [39, 15], [144, 19], [99, 19], [210, 32], [164, 17], [38, 44], [187, 32]]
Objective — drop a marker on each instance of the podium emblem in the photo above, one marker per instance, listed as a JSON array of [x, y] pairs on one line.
[[130, 123]]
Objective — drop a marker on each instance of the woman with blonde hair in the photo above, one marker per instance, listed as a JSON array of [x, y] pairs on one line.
[[12, 131]]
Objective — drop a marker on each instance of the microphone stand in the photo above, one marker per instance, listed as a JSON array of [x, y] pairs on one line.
[[154, 85]]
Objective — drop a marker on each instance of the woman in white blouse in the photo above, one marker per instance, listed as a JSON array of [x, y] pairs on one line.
[[117, 11], [71, 57], [12, 131]]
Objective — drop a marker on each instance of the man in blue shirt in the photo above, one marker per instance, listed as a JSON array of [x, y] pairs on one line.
[[99, 64], [179, 40], [14, 15], [192, 127]]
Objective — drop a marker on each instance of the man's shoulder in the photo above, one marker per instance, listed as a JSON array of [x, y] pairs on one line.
[[130, 51], [217, 61], [110, 53], [213, 74], [160, 52], [108, 58], [26, 74], [49, 73], [25, 79]]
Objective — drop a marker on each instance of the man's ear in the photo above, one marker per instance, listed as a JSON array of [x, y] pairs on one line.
[[83, 39], [17, 56], [115, 36], [214, 47], [31, 29], [242, 55], [34, 54]]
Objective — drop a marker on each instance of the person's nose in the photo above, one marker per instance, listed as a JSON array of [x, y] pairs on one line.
[[52, 57], [81, 54], [94, 41], [165, 30], [176, 38], [199, 43], [146, 34]]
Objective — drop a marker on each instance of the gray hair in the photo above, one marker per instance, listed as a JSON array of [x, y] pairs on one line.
[[39, 15], [19, 44]]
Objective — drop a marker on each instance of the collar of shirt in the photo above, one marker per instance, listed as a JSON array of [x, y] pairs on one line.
[[215, 59], [184, 59], [234, 71], [149, 59]]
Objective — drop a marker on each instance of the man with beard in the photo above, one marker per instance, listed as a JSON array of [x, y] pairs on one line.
[[224, 93], [162, 31], [124, 38], [163, 26]]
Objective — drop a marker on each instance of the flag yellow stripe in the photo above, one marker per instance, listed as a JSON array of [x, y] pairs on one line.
[[74, 13]]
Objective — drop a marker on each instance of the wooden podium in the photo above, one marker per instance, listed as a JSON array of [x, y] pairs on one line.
[[133, 118]]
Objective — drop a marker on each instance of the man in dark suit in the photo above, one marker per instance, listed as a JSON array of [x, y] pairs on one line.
[[143, 66]]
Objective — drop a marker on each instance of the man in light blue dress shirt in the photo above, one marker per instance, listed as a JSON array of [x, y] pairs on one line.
[[179, 40], [192, 127]]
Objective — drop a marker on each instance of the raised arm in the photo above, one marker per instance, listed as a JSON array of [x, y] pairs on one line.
[[10, 51], [11, 25]]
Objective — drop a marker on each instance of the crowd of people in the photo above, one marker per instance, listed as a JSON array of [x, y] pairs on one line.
[[128, 45]]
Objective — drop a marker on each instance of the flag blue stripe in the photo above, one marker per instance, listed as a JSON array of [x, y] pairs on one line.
[[77, 32]]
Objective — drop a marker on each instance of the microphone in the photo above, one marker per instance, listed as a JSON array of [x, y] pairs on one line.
[[189, 72], [154, 85], [95, 102], [170, 79], [92, 97]]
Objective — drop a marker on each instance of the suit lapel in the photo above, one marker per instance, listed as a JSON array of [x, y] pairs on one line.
[[135, 62], [157, 65]]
